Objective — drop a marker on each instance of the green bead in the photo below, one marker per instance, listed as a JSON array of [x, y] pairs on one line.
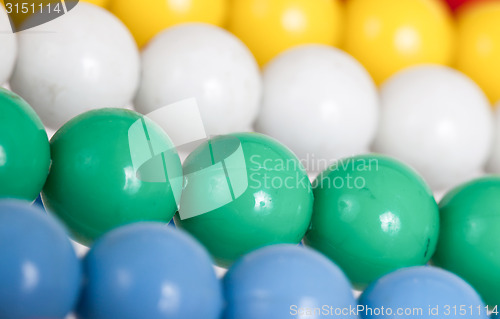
[[111, 167], [469, 242], [24, 149], [244, 191], [373, 215]]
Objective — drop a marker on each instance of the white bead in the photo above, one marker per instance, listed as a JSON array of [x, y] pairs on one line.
[[83, 60], [320, 102], [437, 120], [207, 63]]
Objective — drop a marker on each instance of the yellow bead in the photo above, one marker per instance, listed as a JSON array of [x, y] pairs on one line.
[[478, 53], [269, 27], [146, 18], [390, 35], [100, 3]]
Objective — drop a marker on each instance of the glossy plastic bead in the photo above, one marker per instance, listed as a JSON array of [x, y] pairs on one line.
[[469, 244], [242, 192], [479, 46], [269, 27], [149, 270], [207, 63], [448, 136], [421, 292], [95, 183], [147, 18], [325, 102], [372, 215], [24, 149], [389, 35], [40, 274], [83, 60], [285, 281]]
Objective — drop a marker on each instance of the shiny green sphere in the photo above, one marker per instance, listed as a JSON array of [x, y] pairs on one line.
[[373, 215], [469, 242], [244, 191], [24, 149], [111, 167]]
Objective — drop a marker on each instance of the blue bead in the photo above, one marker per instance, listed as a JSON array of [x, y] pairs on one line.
[[40, 274], [422, 289], [149, 270], [287, 281]]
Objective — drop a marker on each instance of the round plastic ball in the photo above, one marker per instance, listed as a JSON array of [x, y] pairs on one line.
[[270, 27], [95, 182], [494, 161], [422, 292], [325, 102], [24, 149], [8, 43], [469, 245], [39, 272], [205, 62], [282, 281], [145, 19], [372, 215], [149, 270], [437, 120], [83, 60], [252, 192], [389, 35], [479, 46]]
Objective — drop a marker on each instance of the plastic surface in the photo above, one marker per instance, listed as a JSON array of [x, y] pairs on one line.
[[40, 274], [422, 292], [479, 46], [325, 102], [437, 120], [372, 215], [209, 64], [389, 35], [149, 270], [273, 207], [8, 43], [24, 149], [285, 281], [93, 185], [469, 243], [270, 27], [83, 60], [147, 18]]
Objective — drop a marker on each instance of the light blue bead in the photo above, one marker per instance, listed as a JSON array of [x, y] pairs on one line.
[[286, 281], [40, 274], [422, 289], [150, 271]]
